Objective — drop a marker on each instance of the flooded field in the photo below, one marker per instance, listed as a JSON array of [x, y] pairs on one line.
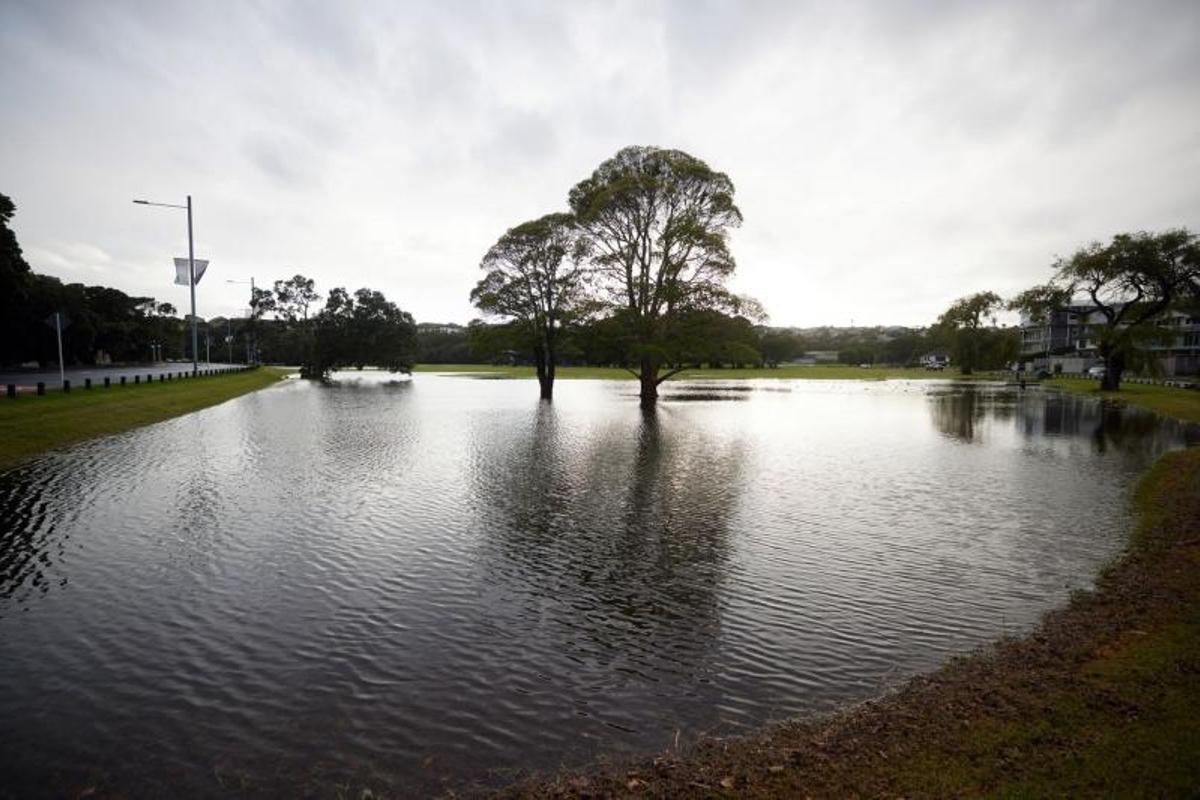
[[406, 584]]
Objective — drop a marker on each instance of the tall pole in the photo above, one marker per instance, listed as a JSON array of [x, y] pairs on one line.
[[253, 328], [192, 286], [62, 373]]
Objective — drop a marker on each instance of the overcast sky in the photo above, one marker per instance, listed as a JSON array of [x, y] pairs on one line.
[[888, 157]]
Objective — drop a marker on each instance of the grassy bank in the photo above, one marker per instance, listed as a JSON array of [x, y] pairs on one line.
[[820, 372], [1103, 699], [30, 425], [1166, 400]]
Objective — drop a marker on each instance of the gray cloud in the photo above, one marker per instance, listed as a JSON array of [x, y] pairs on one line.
[[889, 156]]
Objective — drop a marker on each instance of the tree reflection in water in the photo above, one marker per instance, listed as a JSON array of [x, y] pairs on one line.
[[614, 549]]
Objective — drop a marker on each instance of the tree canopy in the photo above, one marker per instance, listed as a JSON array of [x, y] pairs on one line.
[[656, 224], [962, 323], [534, 277], [1126, 284], [359, 330]]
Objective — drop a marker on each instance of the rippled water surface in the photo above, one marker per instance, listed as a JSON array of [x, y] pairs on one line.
[[403, 585]]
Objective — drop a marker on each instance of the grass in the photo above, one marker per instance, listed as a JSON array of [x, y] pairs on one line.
[[30, 425], [1169, 401], [1102, 700], [1166, 400], [817, 372]]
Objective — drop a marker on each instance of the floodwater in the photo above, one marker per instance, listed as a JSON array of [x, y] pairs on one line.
[[406, 585]]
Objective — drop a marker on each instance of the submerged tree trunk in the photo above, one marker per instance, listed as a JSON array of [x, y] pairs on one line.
[[545, 372], [1114, 367], [546, 367], [648, 376]]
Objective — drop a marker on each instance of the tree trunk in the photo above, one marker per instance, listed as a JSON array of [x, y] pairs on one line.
[[1114, 366], [545, 375], [648, 376]]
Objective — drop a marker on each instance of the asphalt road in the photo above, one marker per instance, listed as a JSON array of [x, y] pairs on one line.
[[76, 375]]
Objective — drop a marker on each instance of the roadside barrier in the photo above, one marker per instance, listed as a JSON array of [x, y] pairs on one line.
[[12, 390]]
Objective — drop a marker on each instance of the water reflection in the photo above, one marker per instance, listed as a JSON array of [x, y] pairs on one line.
[[614, 550], [969, 411]]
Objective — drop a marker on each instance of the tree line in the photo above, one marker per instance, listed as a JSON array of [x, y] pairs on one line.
[[102, 322], [105, 324]]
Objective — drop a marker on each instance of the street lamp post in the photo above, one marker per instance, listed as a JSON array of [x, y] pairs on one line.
[[191, 275]]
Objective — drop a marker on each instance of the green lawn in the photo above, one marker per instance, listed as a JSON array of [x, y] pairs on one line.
[[30, 424], [1166, 400], [821, 372]]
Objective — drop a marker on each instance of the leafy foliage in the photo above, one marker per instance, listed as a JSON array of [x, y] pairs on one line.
[[962, 324], [534, 278], [656, 225], [359, 330]]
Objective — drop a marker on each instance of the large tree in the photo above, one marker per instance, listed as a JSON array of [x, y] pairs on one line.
[[657, 223], [14, 290], [359, 330], [1122, 290], [963, 324], [289, 303], [533, 277]]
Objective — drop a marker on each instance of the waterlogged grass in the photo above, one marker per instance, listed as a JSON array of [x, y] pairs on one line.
[[1169, 401], [30, 425], [817, 372], [1102, 700]]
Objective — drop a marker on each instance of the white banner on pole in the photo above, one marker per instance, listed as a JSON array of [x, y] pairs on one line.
[[181, 270]]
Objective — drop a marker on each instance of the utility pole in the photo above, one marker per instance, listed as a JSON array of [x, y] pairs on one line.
[[192, 287], [62, 372], [191, 275], [251, 350]]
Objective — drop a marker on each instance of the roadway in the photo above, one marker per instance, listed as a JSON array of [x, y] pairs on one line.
[[76, 375]]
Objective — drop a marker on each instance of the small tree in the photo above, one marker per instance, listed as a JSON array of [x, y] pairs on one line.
[[657, 224], [534, 278], [293, 298], [963, 321], [1128, 283]]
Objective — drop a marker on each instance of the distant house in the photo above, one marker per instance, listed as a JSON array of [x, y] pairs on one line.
[[816, 357], [439, 327], [935, 360]]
